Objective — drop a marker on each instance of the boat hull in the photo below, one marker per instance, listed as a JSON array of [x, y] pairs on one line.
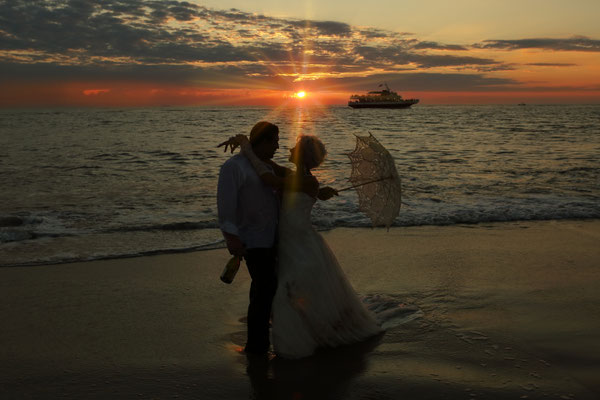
[[404, 104]]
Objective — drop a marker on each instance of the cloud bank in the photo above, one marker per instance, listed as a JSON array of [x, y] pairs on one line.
[[577, 43], [183, 43]]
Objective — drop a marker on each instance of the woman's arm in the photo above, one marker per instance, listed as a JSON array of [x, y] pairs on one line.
[[266, 175], [279, 170], [281, 177], [302, 183]]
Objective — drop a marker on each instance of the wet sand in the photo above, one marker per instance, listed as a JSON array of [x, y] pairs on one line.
[[510, 310]]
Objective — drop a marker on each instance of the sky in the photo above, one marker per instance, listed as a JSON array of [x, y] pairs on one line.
[[155, 53]]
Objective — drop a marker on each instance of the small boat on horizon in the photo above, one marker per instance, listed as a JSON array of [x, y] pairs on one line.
[[380, 99]]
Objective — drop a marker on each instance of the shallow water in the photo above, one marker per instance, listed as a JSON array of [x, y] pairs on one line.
[[93, 183]]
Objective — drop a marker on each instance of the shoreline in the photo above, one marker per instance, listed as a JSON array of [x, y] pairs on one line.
[[221, 244], [509, 310]]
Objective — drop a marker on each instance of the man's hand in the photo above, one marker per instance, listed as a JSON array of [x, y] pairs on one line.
[[327, 192], [234, 245], [234, 141]]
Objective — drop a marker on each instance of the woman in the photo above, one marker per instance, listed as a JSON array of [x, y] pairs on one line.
[[315, 305]]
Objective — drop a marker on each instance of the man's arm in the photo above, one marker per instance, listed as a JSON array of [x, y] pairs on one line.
[[238, 140], [227, 189]]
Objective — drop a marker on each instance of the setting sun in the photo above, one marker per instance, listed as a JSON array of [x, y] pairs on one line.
[[300, 94]]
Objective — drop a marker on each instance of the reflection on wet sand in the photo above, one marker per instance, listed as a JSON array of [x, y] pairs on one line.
[[328, 374]]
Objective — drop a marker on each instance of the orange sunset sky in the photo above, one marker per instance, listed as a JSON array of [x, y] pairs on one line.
[[151, 53]]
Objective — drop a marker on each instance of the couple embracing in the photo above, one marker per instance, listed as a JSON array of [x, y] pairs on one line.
[[264, 213]]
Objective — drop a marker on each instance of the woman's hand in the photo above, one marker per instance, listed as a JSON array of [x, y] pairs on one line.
[[327, 192], [234, 142]]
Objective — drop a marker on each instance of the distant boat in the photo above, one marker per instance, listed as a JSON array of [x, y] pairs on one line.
[[521, 104], [380, 99]]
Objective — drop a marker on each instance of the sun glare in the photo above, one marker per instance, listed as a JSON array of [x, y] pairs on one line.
[[300, 94]]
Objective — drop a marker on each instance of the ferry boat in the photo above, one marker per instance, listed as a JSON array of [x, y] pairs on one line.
[[380, 99]]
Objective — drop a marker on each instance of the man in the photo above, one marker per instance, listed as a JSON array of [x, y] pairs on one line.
[[248, 216]]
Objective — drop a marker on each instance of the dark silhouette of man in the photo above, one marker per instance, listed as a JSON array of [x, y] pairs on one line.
[[248, 215]]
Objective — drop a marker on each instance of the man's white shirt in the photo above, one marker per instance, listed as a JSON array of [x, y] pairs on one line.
[[247, 207]]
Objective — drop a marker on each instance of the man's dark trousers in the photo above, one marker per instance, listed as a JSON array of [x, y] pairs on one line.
[[261, 265]]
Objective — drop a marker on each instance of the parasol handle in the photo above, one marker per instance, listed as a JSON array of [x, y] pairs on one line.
[[365, 183]]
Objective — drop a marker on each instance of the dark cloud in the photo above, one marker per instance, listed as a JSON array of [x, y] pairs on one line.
[[495, 67], [419, 81], [328, 28], [136, 31], [430, 61], [211, 78], [374, 33], [247, 33], [180, 42], [542, 64], [437, 46], [577, 43], [446, 82], [159, 74], [399, 55]]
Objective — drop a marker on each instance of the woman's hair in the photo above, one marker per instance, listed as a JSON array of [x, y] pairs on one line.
[[312, 149]]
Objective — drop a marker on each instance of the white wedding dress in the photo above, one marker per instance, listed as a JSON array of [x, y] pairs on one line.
[[315, 305]]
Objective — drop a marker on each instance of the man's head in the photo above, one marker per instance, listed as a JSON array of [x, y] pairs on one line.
[[264, 138]]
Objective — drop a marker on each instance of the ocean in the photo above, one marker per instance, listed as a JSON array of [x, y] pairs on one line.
[[84, 184]]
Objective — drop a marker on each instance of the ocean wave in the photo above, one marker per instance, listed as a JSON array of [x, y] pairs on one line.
[[453, 220], [538, 205], [435, 211], [170, 226], [73, 256], [154, 173], [11, 235], [14, 229], [135, 243], [11, 221]]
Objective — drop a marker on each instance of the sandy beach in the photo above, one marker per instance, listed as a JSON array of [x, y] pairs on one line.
[[510, 310]]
